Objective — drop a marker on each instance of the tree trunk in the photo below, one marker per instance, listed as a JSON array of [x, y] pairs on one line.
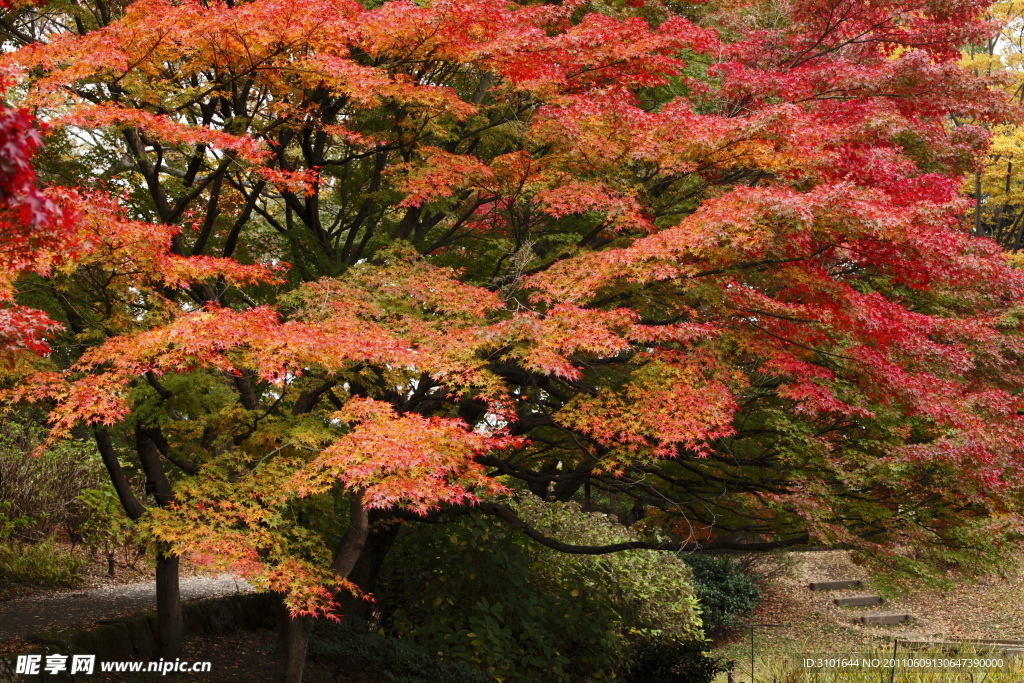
[[367, 568], [292, 642], [169, 623], [293, 632], [110, 564]]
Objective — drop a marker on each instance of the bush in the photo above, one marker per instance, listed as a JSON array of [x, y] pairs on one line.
[[352, 654], [43, 490], [674, 661], [106, 528], [40, 564], [724, 589], [64, 489], [483, 593]]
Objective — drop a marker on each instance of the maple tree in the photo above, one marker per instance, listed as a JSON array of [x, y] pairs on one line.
[[713, 260]]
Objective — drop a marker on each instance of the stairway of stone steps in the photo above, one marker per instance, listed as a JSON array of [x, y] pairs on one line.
[[1008, 648], [860, 601]]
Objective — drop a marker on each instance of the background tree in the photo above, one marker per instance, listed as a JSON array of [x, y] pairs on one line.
[[996, 190]]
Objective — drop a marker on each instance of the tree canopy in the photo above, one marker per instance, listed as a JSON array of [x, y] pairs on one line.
[[713, 261]]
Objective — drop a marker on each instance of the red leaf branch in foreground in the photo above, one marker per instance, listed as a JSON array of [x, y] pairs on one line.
[[32, 221], [407, 461]]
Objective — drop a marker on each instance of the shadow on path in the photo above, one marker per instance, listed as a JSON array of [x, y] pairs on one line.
[[24, 616]]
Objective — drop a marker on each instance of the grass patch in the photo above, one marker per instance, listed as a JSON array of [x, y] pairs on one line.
[[815, 662]]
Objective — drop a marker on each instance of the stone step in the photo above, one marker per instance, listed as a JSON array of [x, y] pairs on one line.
[[953, 645], [859, 600], [986, 641], [883, 618], [835, 585], [930, 644]]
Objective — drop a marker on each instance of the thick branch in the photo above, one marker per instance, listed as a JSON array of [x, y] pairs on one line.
[[352, 543], [164, 392], [504, 513], [184, 464], [246, 393], [132, 507], [308, 399], [149, 457]]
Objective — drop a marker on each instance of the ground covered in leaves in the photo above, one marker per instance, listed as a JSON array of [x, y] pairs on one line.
[[795, 622]]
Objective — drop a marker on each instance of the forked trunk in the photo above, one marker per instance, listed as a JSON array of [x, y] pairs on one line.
[[367, 568], [169, 624]]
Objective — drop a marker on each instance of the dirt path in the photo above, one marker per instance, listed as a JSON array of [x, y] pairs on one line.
[[22, 617]]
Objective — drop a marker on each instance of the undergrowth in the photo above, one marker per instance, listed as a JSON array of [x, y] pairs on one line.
[[42, 564]]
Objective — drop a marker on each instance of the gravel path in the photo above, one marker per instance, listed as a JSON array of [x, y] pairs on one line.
[[24, 616]]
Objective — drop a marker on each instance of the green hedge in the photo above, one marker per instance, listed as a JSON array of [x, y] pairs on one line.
[[724, 589]]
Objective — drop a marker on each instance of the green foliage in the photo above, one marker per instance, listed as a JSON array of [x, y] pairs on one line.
[[674, 661], [40, 564], [648, 589], [474, 597], [724, 589], [477, 591], [9, 524], [105, 526], [350, 653]]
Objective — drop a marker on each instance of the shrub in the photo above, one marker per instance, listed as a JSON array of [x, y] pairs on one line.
[[350, 653], [480, 592], [44, 489], [105, 527], [674, 661], [40, 564], [724, 589]]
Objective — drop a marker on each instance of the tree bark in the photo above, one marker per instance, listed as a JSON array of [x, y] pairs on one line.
[[352, 544], [292, 643], [169, 623], [131, 505], [293, 632], [366, 570]]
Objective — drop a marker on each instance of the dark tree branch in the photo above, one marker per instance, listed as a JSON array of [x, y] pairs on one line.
[[308, 399], [154, 382], [246, 393], [351, 546], [507, 515], [132, 507], [158, 438], [149, 457]]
